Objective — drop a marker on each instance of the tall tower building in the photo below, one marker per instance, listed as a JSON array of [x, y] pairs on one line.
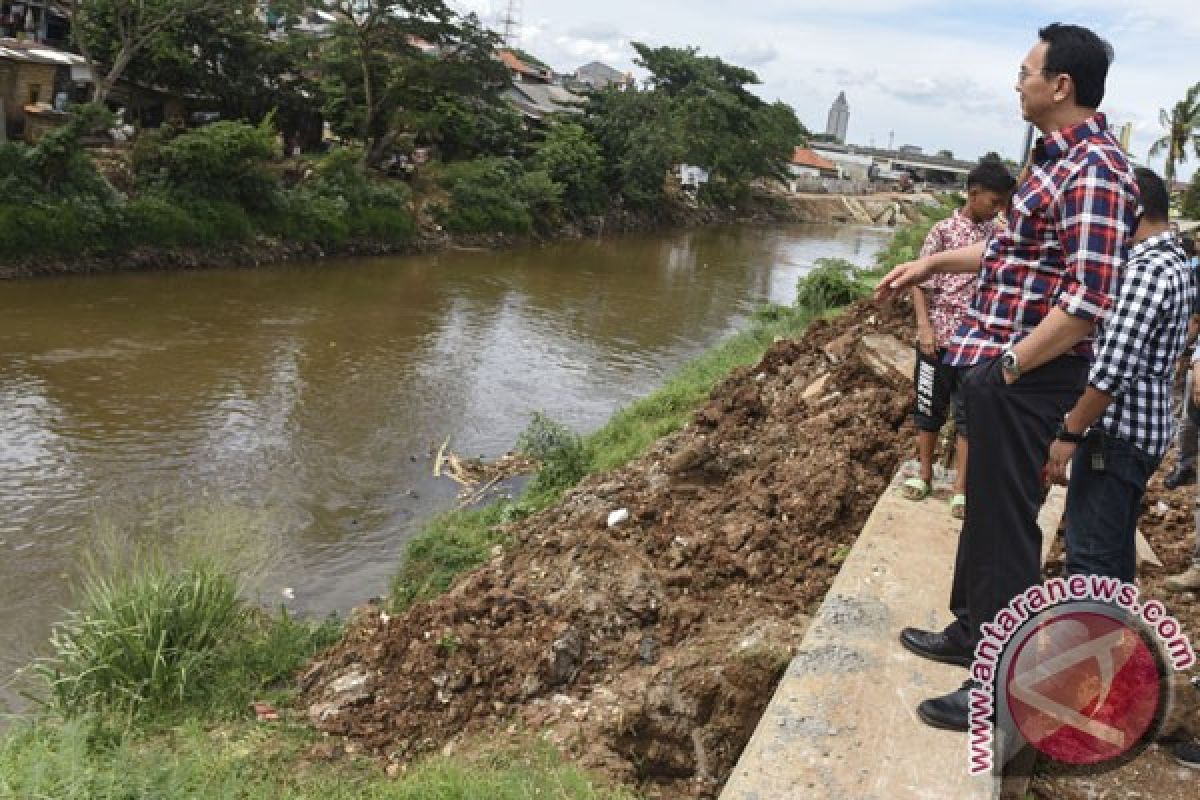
[[839, 118]]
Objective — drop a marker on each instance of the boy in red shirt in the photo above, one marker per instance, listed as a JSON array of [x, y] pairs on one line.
[[940, 304]]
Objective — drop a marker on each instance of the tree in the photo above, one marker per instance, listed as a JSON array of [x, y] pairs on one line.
[[1181, 125], [134, 26], [572, 159], [454, 102], [1189, 204], [373, 40], [228, 58], [724, 127]]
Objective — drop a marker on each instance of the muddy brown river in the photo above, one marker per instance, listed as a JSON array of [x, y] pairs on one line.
[[302, 402]]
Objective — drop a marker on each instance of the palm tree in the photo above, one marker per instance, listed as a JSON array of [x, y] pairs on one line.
[[1181, 125]]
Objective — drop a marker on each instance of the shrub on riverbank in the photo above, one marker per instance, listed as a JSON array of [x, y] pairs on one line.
[[207, 188], [165, 629]]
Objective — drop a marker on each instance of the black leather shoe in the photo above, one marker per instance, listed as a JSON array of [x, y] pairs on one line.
[[950, 711], [1180, 476], [936, 646]]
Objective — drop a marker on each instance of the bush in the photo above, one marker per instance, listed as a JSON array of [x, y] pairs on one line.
[[223, 162], [559, 450], [831, 284], [145, 641], [485, 197], [342, 174], [571, 158]]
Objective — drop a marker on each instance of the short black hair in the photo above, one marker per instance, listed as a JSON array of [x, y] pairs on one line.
[[1080, 53], [992, 175], [1156, 203]]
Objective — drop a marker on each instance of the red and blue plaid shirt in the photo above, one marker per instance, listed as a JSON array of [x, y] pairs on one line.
[[1068, 233]]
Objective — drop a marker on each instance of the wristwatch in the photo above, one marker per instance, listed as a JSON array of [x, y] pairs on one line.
[[1064, 435], [1010, 364]]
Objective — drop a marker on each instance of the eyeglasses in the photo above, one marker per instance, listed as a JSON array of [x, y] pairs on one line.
[[1023, 73]]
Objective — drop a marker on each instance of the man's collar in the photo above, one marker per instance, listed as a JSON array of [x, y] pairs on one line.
[[1056, 144], [1154, 242]]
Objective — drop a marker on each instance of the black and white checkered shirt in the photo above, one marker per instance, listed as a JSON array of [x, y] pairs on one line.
[[1141, 342]]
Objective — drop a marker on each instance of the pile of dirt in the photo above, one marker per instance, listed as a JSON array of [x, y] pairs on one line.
[[642, 623]]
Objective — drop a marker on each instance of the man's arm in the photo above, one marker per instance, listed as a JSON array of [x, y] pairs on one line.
[[912, 273], [1089, 408], [1053, 336], [1143, 304]]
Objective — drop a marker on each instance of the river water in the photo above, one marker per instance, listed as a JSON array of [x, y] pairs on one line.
[[303, 401]]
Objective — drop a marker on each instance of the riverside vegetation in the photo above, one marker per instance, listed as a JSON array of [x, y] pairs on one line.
[[147, 687], [225, 186]]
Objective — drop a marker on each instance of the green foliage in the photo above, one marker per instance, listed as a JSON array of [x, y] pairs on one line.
[[486, 196], [221, 162], [144, 642], [905, 244], [542, 196], [162, 629], [448, 546], [559, 450], [695, 110], [571, 157], [1189, 204], [831, 284], [85, 759]]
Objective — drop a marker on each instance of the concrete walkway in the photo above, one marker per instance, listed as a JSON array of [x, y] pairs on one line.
[[842, 724]]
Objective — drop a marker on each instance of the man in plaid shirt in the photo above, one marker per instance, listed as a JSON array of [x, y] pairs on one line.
[[1127, 404], [1045, 281]]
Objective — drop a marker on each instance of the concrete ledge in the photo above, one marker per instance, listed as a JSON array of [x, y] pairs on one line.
[[842, 724]]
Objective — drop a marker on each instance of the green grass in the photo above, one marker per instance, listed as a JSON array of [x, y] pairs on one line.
[[88, 759], [163, 628]]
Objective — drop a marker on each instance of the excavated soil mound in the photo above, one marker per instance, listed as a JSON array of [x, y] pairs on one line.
[[648, 649]]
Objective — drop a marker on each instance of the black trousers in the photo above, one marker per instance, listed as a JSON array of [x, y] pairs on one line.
[[1000, 548]]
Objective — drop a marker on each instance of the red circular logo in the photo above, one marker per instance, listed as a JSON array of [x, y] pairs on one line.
[[1085, 687]]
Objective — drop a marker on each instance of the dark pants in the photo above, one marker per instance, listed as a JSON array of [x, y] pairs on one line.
[[937, 389], [1103, 507], [1000, 548]]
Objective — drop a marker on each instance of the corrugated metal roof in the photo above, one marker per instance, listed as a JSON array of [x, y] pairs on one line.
[[38, 53]]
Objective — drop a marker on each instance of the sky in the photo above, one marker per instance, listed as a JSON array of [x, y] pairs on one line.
[[939, 75]]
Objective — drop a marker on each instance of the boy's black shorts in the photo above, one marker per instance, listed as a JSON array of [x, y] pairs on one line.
[[936, 386]]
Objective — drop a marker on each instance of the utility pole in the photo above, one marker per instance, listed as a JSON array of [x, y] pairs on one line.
[[511, 23]]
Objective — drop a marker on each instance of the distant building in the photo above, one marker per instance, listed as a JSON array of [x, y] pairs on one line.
[[35, 80], [534, 91], [839, 119], [41, 21], [910, 149], [598, 76]]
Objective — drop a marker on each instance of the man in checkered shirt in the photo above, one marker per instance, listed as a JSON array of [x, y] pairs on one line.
[[1045, 281], [1127, 404]]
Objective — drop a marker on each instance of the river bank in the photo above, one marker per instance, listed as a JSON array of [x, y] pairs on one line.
[[775, 209]]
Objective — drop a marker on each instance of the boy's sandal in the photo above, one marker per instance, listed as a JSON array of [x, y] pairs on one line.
[[915, 489], [958, 506]]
